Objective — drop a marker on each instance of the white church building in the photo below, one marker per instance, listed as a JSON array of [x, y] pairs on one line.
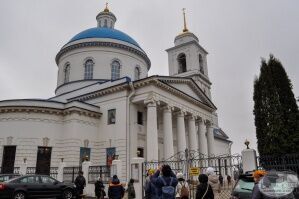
[[106, 106]]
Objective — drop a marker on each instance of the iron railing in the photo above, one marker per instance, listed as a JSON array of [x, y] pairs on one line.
[[30, 170], [70, 173], [288, 162], [54, 172], [94, 172]]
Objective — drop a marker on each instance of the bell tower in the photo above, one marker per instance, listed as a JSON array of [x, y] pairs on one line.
[[189, 59]]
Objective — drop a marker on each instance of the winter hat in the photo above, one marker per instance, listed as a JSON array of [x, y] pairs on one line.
[[115, 177], [203, 178], [151, 171], [179, 176], [210, 171]]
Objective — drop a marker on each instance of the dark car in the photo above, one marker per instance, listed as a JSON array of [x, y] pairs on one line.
[[35, 186], [6, 177], [243, 187]]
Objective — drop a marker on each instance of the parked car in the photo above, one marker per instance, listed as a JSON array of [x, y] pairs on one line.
[[243, 187], [6, 177], [35, 186]]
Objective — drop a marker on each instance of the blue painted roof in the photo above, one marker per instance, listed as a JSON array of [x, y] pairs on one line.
[[104, 33]]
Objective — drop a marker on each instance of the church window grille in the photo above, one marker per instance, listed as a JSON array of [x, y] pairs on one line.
[[182, 63], [139, 118], [200, 63], [111, 116], [115, 70], [137, 73], [88, 71], [66, 71]]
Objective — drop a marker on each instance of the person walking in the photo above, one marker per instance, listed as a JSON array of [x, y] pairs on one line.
[[229, 180], [204, 189], [213, 181], [99, 189], [131, 190], [149, 188], [166, 183], [80, 183], [221, 180], [115, 190], [182, 189]]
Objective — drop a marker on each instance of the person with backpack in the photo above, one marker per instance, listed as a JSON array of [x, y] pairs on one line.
[[182, 189], [80, 183], [166, 183], [204, 189], [131, 190], [99, 189]]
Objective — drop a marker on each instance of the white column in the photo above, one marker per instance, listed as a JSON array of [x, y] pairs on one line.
[[192, 134], [211, 141], [202, 140], [168, 135], [152, 132], [181, 135]]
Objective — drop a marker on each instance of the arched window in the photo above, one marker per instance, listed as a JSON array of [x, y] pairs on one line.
[[105, 23], [66, 72], [182, 63], [200, 63], [88, 69], [115, 70], [137, 73]]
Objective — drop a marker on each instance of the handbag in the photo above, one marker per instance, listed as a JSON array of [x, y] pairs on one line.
[[205, 192]]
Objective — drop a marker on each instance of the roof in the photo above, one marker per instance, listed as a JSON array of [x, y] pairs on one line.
[[219, 133], [104, 33]]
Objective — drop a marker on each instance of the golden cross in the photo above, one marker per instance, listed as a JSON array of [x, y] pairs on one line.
[[106, 5]]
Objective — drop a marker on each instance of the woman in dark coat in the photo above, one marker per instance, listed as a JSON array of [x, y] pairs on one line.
[[204, 190], [99, 189], [131, 190]]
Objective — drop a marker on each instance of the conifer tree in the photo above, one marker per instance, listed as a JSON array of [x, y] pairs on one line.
[[275, 110]]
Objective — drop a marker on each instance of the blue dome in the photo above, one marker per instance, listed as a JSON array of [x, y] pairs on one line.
[[104, 33]]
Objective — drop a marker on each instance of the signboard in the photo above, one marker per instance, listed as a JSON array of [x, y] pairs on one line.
[[194, 171]]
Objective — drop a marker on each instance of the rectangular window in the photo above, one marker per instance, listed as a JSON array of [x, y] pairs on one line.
[[111, 116], [139, 118], [140, 152]]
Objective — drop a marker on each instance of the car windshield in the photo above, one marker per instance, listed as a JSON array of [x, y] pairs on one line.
[[244, 185]]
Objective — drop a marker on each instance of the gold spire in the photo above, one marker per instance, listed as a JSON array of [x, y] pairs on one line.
[[185, 24], [106, 9]]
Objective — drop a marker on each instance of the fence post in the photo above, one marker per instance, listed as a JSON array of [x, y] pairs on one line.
[[60, 171], [23, 168], [89, 189], [136, 174], [117, 170], [249, 160]]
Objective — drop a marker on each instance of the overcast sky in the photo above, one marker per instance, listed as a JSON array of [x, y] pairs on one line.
[[236, 33]]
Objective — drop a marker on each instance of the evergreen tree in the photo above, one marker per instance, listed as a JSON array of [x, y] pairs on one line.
[[275, 109]]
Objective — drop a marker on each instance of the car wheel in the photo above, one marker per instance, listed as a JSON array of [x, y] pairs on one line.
[[67, 194], [19, 195]]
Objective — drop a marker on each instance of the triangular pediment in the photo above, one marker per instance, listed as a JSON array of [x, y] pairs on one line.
[[188, 87]]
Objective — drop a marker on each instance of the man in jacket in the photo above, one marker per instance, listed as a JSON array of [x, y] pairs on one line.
[[115, 190], [80, 183]]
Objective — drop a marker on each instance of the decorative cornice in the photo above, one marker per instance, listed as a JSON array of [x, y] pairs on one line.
[[103, 44], [52, 111]]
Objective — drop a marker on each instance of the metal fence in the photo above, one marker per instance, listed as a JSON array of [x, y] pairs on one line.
[[30, 170], [54, 172], [288, 162], [184, 162], [70, 173], [94, 172]]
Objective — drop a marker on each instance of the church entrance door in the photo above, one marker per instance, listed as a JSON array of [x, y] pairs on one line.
[[8, 161], [43, 160]]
